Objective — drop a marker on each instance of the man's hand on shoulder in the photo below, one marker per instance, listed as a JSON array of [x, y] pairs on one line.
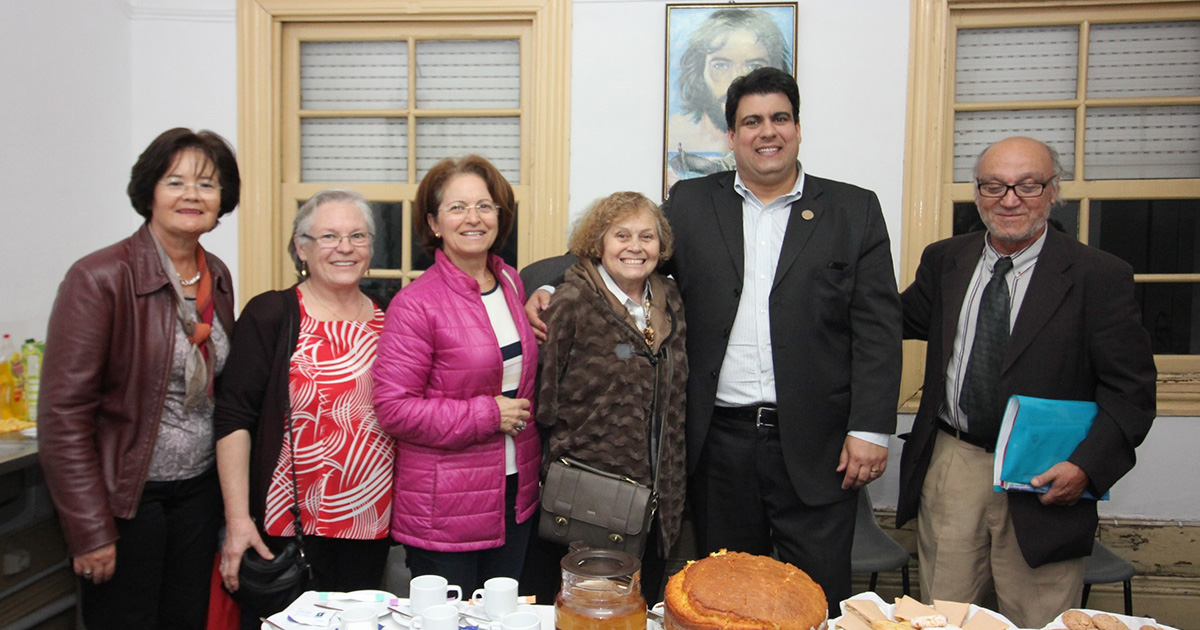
[[862, 462], [537, 303], [1067, 483]]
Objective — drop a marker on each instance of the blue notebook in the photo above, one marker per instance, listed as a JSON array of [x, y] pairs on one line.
[[1036, 434]]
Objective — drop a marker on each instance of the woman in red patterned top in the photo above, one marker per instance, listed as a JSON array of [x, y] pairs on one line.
[[302, 392]]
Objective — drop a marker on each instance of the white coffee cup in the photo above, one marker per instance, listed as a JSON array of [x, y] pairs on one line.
[[498, 596], [360, 618], [437, 617], [521, 621], [429, 590]]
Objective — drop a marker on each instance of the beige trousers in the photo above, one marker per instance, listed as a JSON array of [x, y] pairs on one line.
[[966, 542]]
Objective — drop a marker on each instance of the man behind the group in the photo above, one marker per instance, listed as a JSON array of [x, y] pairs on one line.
[[1069, 328], [793, 342]]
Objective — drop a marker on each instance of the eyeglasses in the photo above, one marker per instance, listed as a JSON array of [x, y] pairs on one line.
[[332, 241], [204, 188], [484, 208], [996, 190]]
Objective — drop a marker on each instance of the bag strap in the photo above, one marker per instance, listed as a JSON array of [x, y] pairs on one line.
[[297, 525], [574, 463]]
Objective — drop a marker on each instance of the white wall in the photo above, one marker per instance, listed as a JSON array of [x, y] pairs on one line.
[[852, 130], [64, 146], [185, 75], [86, 84]]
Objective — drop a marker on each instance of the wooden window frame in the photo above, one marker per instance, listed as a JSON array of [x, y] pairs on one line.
[[263, 219], [929, 191]]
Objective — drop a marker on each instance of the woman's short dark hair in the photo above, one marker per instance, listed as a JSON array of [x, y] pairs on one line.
[[587, 239], [429, 198], [153, 163]]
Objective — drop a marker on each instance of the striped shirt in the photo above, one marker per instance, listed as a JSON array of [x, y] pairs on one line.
[[510, 350]]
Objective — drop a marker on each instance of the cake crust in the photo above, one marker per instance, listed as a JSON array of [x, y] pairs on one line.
[[740, 591]]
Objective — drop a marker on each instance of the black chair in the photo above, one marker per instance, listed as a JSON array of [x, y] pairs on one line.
[[1106, 567], [546, 271], [874, 550]]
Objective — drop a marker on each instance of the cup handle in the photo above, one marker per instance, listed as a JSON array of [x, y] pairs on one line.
[[477, 596], [457, 593]]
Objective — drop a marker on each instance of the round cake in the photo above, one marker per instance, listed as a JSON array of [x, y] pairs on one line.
[[740, 591]]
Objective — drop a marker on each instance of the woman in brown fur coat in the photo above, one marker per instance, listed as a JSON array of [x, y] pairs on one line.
[[614, 371]]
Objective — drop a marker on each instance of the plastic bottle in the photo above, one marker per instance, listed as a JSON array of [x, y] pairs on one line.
[[6, 390], [12, 381], [31, 359]]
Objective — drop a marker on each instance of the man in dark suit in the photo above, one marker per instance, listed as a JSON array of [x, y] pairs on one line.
[[793, 342], [1070, 329]]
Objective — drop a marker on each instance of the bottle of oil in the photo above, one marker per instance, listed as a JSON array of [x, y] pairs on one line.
[[7, 384], [12, 381], [31, 360]]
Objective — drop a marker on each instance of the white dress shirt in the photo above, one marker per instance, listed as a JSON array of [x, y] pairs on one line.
[[636, 309]]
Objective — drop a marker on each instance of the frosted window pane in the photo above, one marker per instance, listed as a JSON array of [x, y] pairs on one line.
[[1142, 143], [974, 131], [497, 139], [1144, 60], [353, 75], [1016, 64], [468, 74], [353, 149]]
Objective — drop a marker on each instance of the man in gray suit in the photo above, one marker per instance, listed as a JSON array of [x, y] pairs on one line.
[[1070, 329], [793, 342]]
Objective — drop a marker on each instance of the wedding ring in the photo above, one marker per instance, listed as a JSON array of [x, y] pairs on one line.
[[87, 574], [874, 472]]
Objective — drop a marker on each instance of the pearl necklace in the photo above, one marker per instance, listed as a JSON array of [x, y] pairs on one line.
[[188, 283]]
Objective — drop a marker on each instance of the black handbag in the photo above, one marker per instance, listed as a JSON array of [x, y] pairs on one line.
[[603, 510], [266, 587]]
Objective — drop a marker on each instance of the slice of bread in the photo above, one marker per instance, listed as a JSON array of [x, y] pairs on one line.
[[954, 612], [983, 620], [851, 621], [866, 610], [908, 608]]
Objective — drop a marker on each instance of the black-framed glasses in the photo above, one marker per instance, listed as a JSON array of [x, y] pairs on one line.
[[332, 241], [1025, 190]]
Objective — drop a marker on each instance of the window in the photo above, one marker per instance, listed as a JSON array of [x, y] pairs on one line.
[[1115, 88], [356, 95]]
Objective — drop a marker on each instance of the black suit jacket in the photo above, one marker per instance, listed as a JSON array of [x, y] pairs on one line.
[[1078, 336], [834, 311]]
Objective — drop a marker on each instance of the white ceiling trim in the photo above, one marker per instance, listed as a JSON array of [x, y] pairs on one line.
[[180, 10]]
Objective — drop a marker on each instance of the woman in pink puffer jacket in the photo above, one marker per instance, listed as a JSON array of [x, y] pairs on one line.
[[453, 384]]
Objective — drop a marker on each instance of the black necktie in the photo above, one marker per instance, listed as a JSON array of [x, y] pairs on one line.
[[980, 397]]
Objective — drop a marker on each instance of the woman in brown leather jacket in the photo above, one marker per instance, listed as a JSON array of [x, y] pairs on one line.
[[138, 333]]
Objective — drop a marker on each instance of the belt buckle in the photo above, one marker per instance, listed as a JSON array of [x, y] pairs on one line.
[[758, 417]]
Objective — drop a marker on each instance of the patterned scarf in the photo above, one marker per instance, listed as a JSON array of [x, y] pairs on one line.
[[201, 358]]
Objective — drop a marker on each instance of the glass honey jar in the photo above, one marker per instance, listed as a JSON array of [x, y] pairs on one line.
[[601, 590]]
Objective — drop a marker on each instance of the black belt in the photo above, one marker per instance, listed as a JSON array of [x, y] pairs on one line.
[[761, 416], [974, 440]]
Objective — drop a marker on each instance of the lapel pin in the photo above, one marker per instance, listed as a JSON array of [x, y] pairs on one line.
[[807, 215]]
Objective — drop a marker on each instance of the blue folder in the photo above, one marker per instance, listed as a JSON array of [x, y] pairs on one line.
[[1036, 434]]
